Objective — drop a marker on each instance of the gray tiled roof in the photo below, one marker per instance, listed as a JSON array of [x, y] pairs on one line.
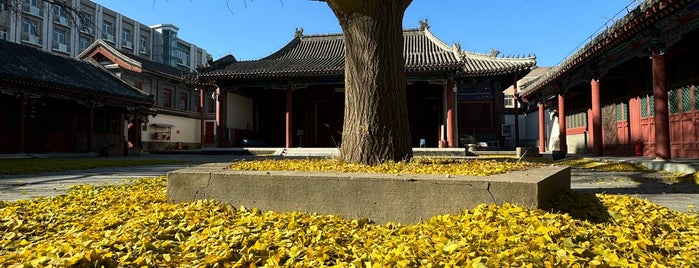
[[39, 69], [324, 55], [486, 65], [135, 60]]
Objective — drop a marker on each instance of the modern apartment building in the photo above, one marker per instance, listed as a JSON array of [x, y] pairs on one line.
[[151, 58], [40, 23]]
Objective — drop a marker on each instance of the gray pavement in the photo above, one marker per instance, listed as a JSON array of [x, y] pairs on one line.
[[681, 196], [18, 187]]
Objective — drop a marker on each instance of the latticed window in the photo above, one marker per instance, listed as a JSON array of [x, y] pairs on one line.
[[644, 107], [651, 106], [619, 112], [673, 101], [167, 98], [575, 120], [687, 98], [183, 100]]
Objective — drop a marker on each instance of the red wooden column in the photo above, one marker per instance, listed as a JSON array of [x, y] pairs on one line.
[[289, 102], [22, 101], [450, 113], [662, 113], [596, 114], [562, 123], [635, 111], [542, 128], [202, 94], [139, 127]]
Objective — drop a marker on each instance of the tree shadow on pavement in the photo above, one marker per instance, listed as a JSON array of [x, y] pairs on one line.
[[580, 206]]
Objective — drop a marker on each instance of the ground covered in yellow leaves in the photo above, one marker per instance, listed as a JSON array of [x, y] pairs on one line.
[[133, 225], [438, 166]]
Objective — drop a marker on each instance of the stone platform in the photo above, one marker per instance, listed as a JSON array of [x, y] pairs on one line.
[[403, 198]]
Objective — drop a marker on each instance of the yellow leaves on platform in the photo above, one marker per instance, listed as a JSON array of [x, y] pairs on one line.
[[437, 166], [133, 226]]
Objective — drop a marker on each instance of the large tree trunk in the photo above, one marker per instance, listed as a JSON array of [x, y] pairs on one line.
[[375, 126]]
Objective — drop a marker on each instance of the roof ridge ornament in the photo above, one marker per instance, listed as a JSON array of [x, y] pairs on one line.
[[424, 25], [299, 32], [494, 53]]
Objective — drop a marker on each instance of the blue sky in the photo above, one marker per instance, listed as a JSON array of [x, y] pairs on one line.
[[550, 29]]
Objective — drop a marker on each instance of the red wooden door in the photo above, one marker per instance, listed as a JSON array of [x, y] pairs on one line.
[[208, 132]]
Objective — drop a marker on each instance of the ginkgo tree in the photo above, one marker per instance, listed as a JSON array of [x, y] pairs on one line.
[[375, 127]]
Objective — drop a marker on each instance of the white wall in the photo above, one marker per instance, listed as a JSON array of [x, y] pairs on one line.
[[529, 128], [239, 111], [186, 130]]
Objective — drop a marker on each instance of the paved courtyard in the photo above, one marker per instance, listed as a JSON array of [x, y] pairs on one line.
[[678, 196]]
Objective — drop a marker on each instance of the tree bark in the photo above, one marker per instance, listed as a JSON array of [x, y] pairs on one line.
[[375, 128]]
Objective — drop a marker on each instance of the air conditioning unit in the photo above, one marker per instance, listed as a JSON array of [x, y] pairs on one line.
[[126, 43], [86, 29], [63, 20], [3, 35], [506, 130], [143, 50], [109, 37], [63, 47], [34, 39]]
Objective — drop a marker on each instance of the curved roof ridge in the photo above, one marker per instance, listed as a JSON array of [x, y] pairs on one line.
[[100, 42], [456, 48], [470, 54], [285, 49]]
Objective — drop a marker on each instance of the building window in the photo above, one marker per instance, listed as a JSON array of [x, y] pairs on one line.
[[34, 3], [86, 22], [167, 98], [59, 36], [30, 32], [143, 45], [83, 43], [59, 15], [59, 40], [107, 31], [126, 38], [509, 101], [183, 101], [29, 27]]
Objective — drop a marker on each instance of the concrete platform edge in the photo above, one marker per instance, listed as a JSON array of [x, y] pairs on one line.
[[381, 198]]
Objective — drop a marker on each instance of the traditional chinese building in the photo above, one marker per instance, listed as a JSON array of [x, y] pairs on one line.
[[631, 89], [295, 96], [178, 107], [52, 103]]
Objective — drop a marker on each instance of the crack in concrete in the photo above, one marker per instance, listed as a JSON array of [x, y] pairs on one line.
[[208, 183], [491, 194]]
